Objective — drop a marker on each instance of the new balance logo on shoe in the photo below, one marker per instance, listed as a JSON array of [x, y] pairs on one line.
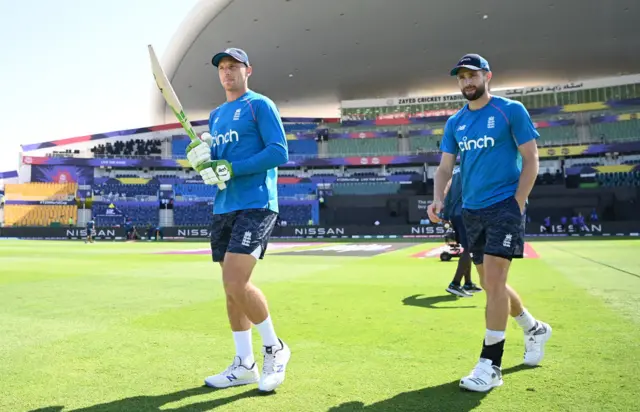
[[231, 378]]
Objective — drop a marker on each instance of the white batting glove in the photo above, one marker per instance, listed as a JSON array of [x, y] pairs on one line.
[[210, 177], [199, 151]]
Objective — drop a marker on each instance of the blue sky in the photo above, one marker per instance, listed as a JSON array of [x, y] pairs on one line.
[[75, 67]]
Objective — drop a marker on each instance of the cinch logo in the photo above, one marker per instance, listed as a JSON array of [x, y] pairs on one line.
[[480, 143], [228, 137]]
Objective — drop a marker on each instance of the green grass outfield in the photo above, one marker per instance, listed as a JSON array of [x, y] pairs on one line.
[[113, 327]]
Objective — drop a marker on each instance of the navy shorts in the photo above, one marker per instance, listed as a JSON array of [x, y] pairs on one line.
[[496, 230], [461, 234], [244, 231]]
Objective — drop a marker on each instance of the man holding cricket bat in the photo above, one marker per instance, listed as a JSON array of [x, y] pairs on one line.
[[243, 150]]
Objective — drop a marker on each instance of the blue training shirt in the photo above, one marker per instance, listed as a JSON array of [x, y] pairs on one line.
[[248, 133], [487, 141], [453, 200]]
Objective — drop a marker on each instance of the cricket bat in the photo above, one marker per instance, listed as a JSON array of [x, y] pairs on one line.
[[172, 99]]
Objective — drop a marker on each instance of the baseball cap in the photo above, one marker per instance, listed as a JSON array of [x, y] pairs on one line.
[[238, 54], [471, 62]]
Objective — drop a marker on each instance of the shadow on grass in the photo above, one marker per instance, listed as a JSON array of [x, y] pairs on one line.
[[154, 403], [446, 397], [430, 302]]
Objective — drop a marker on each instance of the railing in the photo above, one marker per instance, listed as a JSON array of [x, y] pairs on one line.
[[111, 156]]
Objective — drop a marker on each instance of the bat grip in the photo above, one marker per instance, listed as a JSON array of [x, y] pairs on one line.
[[222, 186]]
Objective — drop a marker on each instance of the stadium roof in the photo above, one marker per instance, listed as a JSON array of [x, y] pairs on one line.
[[308, 55]]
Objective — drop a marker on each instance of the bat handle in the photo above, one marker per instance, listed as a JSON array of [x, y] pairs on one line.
[[222, 186]]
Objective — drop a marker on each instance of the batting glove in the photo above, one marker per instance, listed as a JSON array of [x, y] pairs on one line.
[[215, 172], [199, 151], [209, 177]]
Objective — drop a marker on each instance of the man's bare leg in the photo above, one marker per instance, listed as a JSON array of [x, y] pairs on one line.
[[236, 274], [241, 329], [530, 326], [249, 302], [516, 307]]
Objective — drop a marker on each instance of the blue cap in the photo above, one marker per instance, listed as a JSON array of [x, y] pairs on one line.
[[471, 62], [234, 53]]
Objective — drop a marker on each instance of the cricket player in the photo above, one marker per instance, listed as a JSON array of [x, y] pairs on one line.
[[91, 231], [244, 148], [453, 213], [496, 141]]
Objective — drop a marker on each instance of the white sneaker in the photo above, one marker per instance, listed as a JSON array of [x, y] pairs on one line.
[[534, 344], [483, 377], [235, 375], [275, 365]]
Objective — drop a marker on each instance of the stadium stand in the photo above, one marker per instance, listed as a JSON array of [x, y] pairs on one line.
[[608, 130], [195, 191], [358, 147], [141, 213], [369, 188], [40, 191], [617, 179], [296, 191], [302, 148], [424, 143], [296, 214], [35, 214], [42, 215], [535, 101], [137, 147], [179, 146], [186, 213], [112, 191], [576, 126]]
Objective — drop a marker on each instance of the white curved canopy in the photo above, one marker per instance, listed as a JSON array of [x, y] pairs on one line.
[[308, 55]]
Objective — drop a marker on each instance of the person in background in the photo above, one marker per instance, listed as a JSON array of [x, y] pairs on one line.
[[581, 223], [452, 212]]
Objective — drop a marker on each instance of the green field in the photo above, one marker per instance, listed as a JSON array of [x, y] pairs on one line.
[[114, 327]]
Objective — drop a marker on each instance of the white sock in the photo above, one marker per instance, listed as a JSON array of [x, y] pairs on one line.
[[525, 320], [492, 337], [267, 332], [244, 347]]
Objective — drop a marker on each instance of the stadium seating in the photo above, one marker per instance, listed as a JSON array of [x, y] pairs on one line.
[[179, 147], [138, 147], [296, 147], [616, 179], [195, 190], [115, 190], [362, 147], [622, 130], [40, 215], [557, 135], [299, 127], [302, 147], [424, 143], [40, 191], [295, 214], [192, 213], [141, 213], [368, 188], [300, 190]]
